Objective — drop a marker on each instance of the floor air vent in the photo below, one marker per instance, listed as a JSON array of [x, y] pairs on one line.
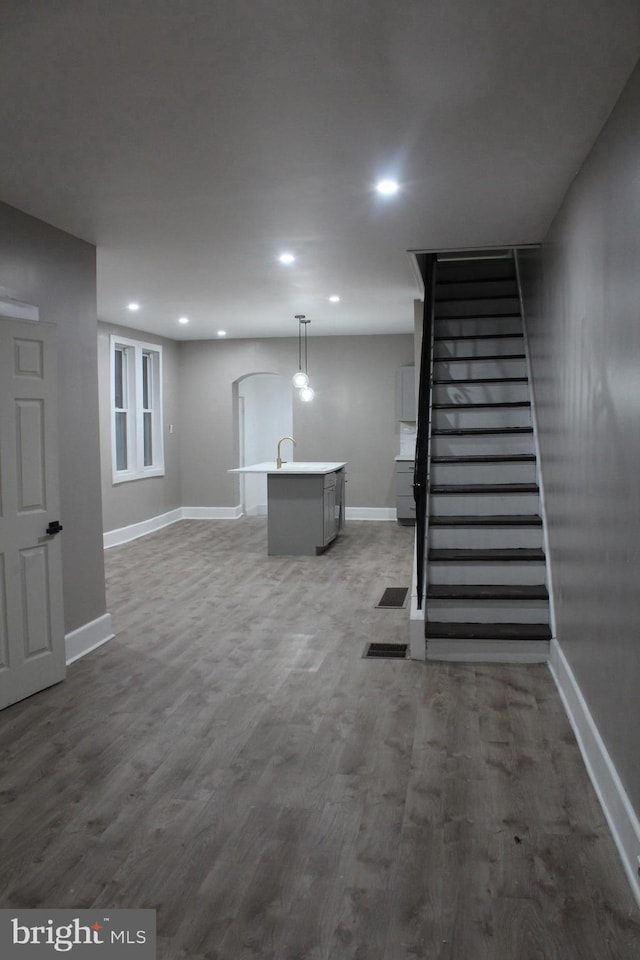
[[393, 597], [385, 651]]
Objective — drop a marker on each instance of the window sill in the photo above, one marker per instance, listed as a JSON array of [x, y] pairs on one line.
[[124, 477]]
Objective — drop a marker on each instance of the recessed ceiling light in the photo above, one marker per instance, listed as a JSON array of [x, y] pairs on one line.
[[387, 187], [183, 319], [286, 258], [222, 333], [133, 306], [334, 299]]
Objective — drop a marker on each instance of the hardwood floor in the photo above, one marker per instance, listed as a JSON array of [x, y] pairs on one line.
[[231, 760]]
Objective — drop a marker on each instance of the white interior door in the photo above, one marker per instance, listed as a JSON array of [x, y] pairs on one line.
[[32, 650]]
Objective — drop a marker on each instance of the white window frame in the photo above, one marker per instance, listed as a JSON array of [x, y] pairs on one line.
[[134, 350]]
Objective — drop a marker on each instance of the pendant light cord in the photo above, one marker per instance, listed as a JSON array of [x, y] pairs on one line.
[[305, 350], [300, 318]]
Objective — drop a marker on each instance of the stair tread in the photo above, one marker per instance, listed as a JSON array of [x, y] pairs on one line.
[[503, 356], [487, 296], [487, 631], [499, 279], [509, 404], [499, 520], [479, 336], [488, 458], [449, 381], [473, 316], [482, 591], [484, 488], [478, 431], [454, 555]]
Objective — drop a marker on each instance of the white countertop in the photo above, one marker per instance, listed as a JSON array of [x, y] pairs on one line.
[[406, 457], [312, 466]]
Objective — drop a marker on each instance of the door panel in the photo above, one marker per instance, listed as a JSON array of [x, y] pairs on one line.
[[28, 358], [30, 455], [34, 575], [32, 651]]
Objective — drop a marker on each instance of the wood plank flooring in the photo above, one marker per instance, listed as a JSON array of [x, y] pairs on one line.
[[230, 760]]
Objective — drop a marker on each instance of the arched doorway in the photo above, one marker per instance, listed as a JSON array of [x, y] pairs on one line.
[[265, 413]]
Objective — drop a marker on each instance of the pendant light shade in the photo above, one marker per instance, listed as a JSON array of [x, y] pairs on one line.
[[300, 379]]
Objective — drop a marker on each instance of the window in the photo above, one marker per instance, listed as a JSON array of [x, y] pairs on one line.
[[136, 401]]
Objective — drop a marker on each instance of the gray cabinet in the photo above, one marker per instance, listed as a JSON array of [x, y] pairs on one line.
[[329, 525], [405, 504], [304, 513], [406, 393]]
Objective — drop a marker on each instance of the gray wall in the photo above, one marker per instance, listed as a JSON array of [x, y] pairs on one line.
[[582, 302], [49, 268], [137, 500], [351, 418]]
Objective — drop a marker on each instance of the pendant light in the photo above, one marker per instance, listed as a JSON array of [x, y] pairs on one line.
[[301, 378], [307, 394]]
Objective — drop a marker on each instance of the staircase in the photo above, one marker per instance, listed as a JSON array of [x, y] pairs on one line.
[[486, 595]]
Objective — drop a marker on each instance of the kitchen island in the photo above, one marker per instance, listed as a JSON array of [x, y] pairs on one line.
[[305, 505]]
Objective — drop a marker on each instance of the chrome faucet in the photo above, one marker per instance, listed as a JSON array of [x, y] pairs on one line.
[[279, 460]]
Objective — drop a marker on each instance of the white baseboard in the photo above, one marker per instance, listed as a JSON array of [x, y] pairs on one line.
[[258, 511], [417, 643], [621, 817], [113, 538], [86, 638], [371, 513], [212, 513]]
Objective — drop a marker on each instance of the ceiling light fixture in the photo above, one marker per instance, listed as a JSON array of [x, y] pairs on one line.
[[222, 333], [133, 306], [183, 320], [387, 187], [286, 258], [300, 379], [334, 299]]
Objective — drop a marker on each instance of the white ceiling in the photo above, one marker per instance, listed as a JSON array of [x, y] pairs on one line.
[[194, 140]]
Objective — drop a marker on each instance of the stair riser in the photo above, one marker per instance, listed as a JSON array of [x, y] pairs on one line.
[[489, 572], [488, 651], [477, 308], [481, 393], [473, 505], [477, 288], [442, 349], [484, 538], [495, 417], [470, 326], [474, 369], [502, 472], [489, 611], [492, 444]]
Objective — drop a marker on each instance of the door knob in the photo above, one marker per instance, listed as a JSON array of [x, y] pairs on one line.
[[54, 527]]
